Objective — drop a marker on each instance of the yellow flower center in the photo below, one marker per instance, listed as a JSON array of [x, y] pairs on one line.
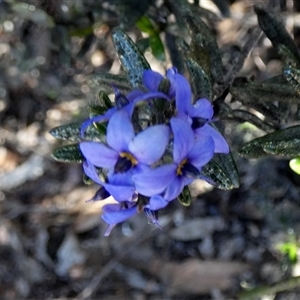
[[180, 166], [129, 157]]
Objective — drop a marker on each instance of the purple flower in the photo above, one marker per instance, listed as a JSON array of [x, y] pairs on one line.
[[119, 212], [126, 153], [121, 191], [152, 81], [198, 115], [127, 103], [189, 155]]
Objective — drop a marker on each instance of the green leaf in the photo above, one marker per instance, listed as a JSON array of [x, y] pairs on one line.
[[287, 57], [199, 52], [201, 83], [155, 43], [32, 13], [68, 154], [144, 24], [132, 10], [295, 165], [289, 148], [290, 249], [132, 60], [185, 197], [285, 142], [292, 76], [204, 38], [108, 81], [71, 132], [101, 105], [242, 115], [221, 171], [143, 44], [275, 30], [261, 96], [157, 47]]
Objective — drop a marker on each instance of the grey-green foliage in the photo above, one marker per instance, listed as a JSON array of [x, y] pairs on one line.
[[285, 142], [132, 60], [285, 89], [221, 171], [185, 197], [68, 154], [274, 29]]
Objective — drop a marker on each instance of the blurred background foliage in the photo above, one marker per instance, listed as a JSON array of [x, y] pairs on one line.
[[54, 59]]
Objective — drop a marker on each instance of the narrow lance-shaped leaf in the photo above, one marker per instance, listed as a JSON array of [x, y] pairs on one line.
[[245, 116], [224, 112], [290, 148], [71, 132], [132, 10], [259, 97], [200, 53], [221, 171], [292, 76], [101, 105], [68, 154], [185, 197], [203, 35], [175, 55], [288, 58], [155, 43], [285, 142], [145, 25], [157, 47], [132, 60], [275, 30], [201, 84], [108, 82]]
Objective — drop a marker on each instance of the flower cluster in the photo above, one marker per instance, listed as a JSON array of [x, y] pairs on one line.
[[144, 167]]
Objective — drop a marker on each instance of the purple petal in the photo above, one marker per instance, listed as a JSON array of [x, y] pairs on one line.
[[91, 172], [120, 193], [101, 194], [113, 214], [183, 139], [120, 186], [154, 181], [99, 154], [109, 229], [221, 145], [157, 202], [202, 108], [134, 94], [149, 145], [120, 178], [202, 152], [183, 93], [171, 72], [151, 80], [149, 96], [175, 188], [152, 217], [119, 131], [97, 119]]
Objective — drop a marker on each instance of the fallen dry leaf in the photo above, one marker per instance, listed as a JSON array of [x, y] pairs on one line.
[[198, 277]]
